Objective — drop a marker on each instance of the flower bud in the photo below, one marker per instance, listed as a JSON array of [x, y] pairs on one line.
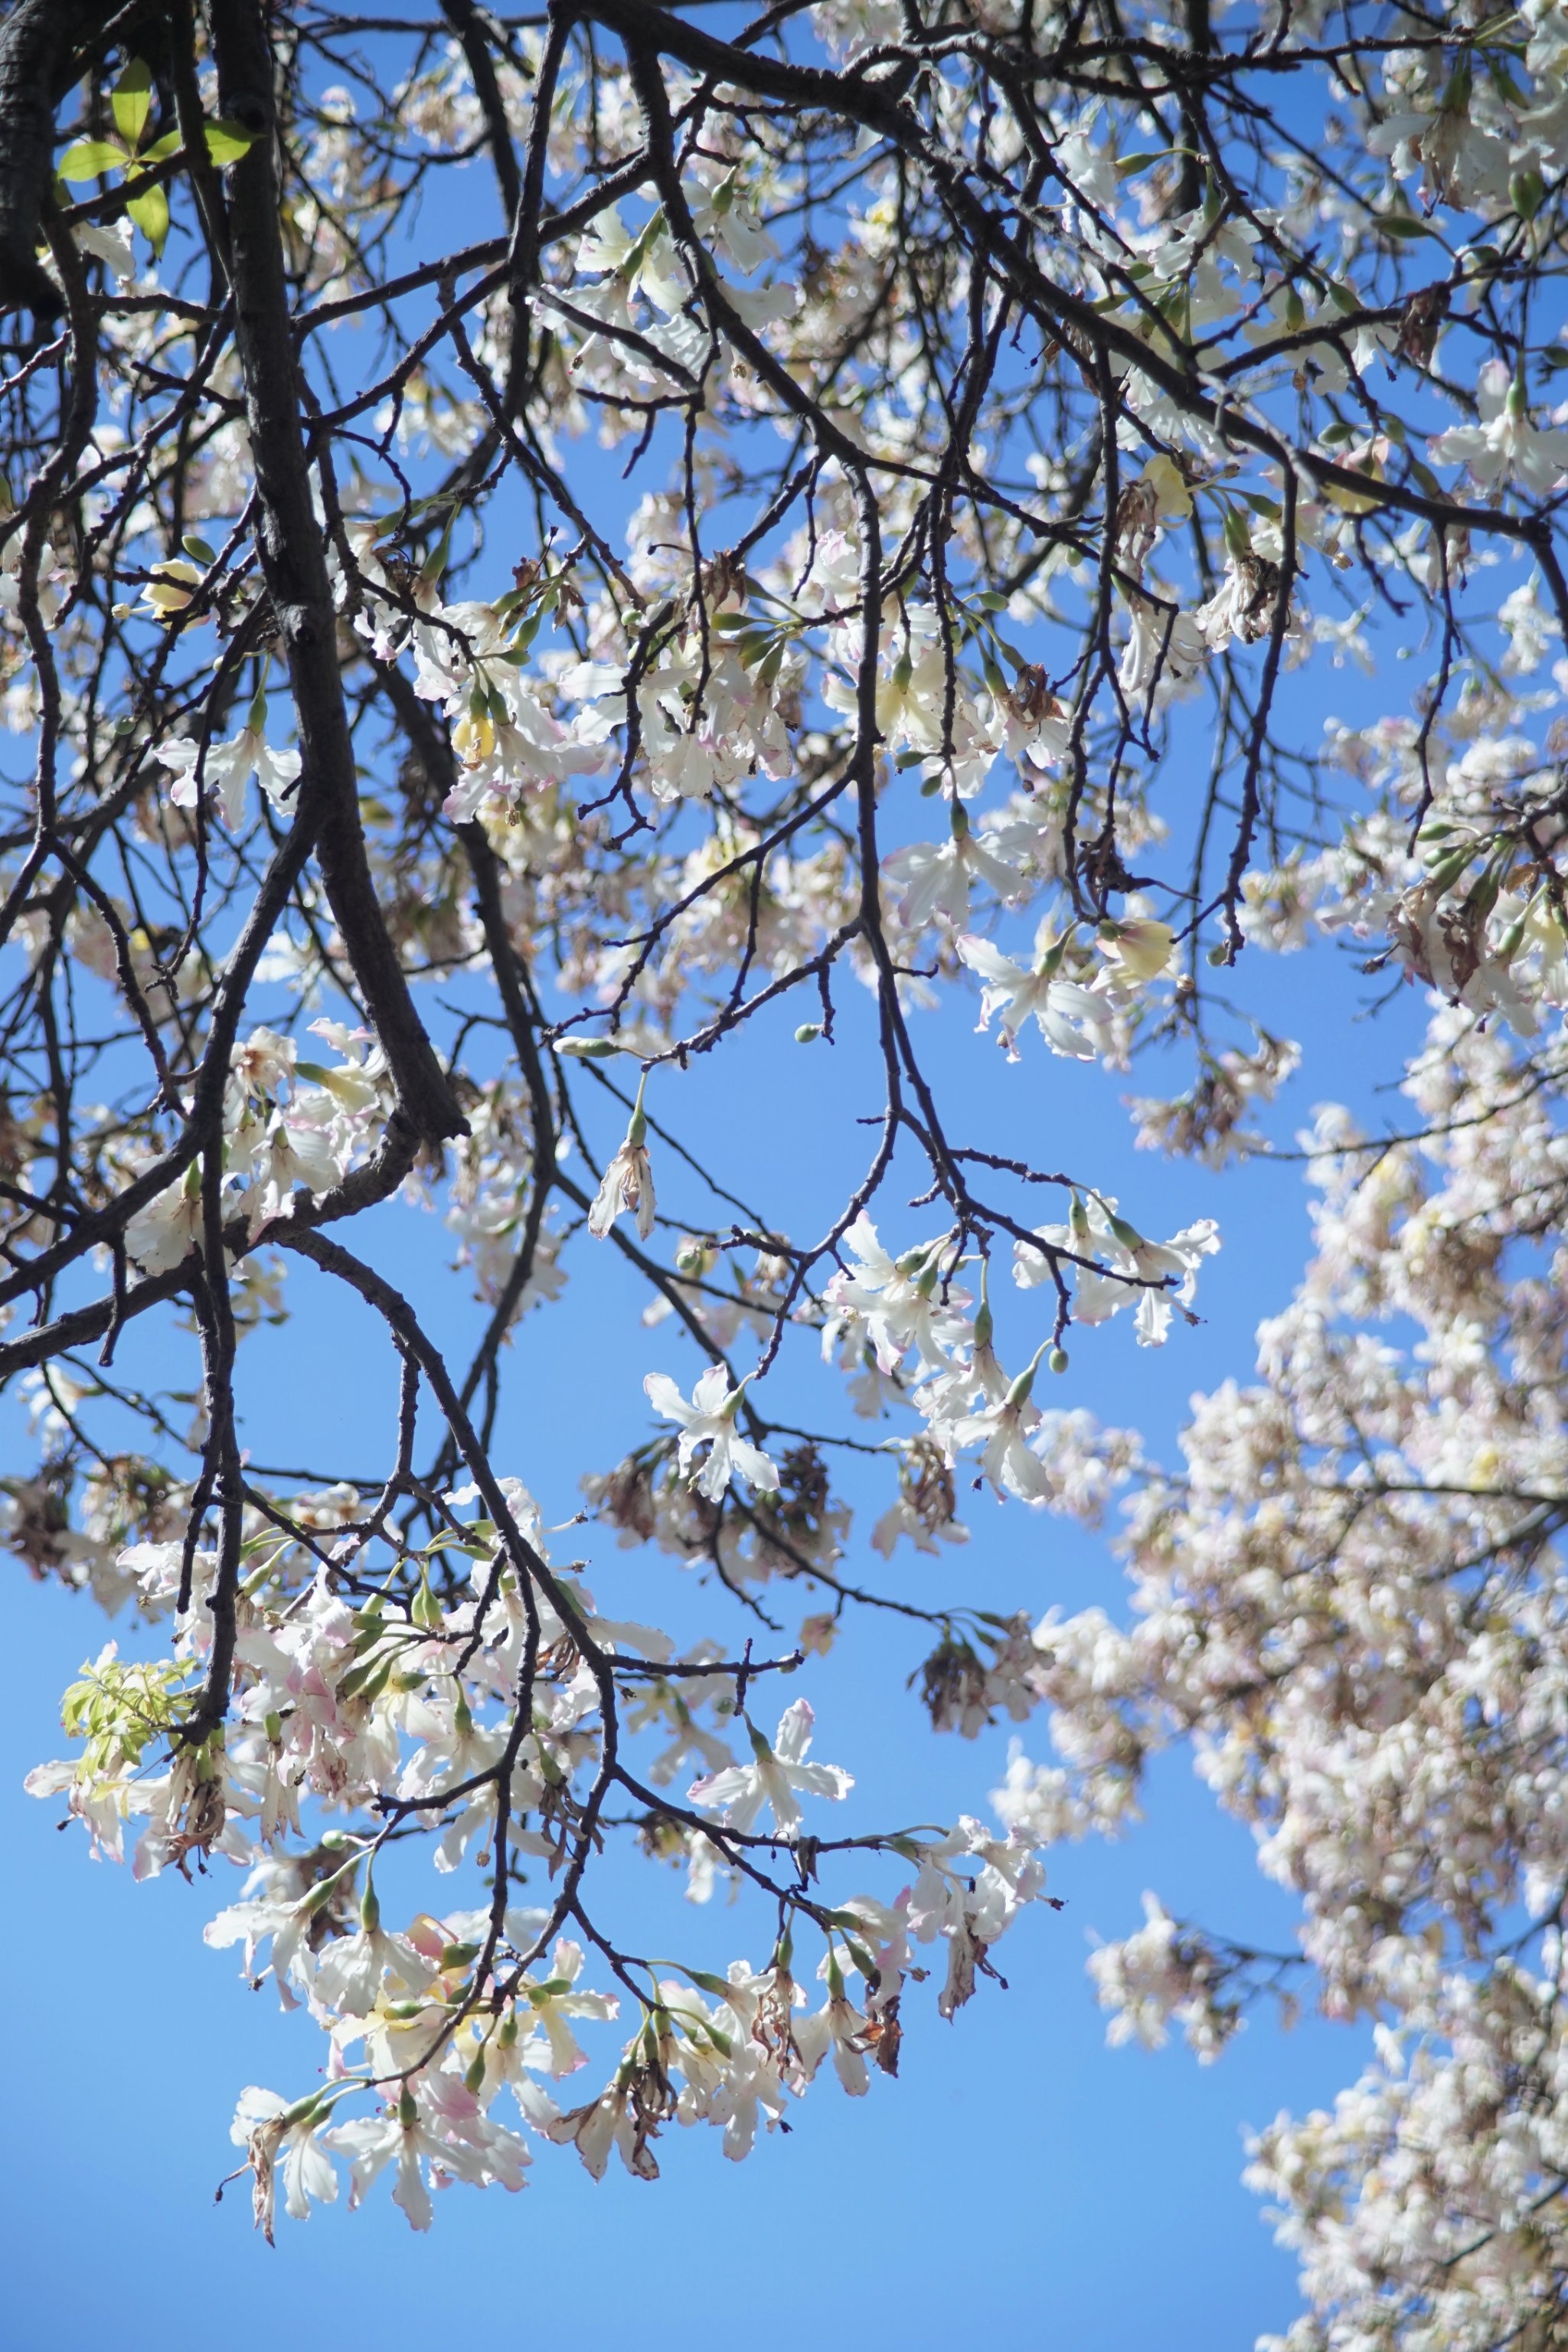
[[808, 1033], [718, 1986], [1526, 192], [1057, 1359]]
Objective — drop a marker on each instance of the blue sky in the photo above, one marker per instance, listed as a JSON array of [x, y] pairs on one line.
[[1020, 2180], [1067, 2192]]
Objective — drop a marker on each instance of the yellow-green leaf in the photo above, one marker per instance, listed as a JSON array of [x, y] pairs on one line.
[[130, 102], [88, 157], [227, 142], [170, 144], [150, 213]]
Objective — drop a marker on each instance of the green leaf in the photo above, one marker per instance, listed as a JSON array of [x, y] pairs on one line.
[[161, 149], [88, 157], [1402, 225], [131, 101], [197, 548], [150, 213], [227, 142]]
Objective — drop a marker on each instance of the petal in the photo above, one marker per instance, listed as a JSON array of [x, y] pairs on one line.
[[753, 1464], [666, 1398], [793, 1736], [991, 963]]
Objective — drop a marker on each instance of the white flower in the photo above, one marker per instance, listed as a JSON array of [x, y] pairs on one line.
[[1073, 1019], [934, 878], [476, 2150], [628, 1184], [1164, 650], [1138, 948], [1006, 1461], [228, 768], [710, 1419], [903, 1302], [163, 1234], [773, 1777], [557, 2000], [627, 1180], [725, 221], [1099, 1233], [348, 1974], [841, 2029], [268, 2127], [1504, 444]]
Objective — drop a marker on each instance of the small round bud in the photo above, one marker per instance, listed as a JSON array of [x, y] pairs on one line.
[[1057, 1359], [808, 1033]]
